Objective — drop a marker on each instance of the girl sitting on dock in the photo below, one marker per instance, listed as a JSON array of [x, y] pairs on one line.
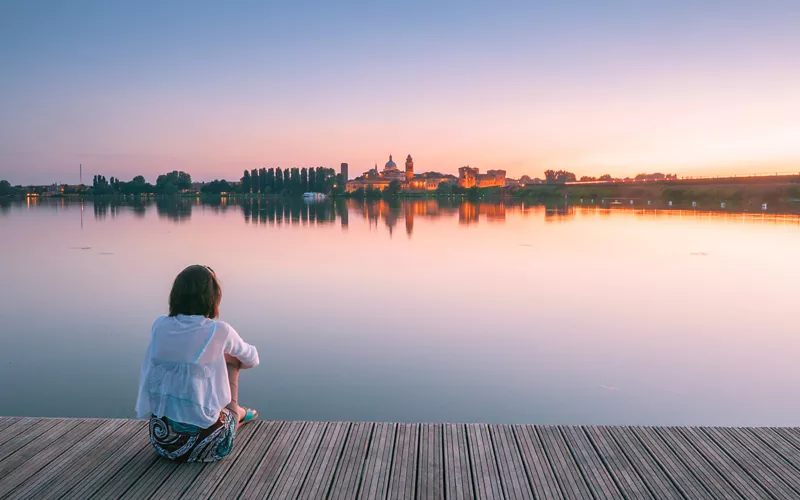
[[189, 386]]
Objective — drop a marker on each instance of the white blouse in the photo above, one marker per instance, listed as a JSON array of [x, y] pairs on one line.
[[184, 377]]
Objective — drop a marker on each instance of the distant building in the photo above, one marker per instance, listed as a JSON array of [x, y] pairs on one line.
[[409, 168], [471, 177], [379, 180], [54, 189], [428, 181], [345, 173]]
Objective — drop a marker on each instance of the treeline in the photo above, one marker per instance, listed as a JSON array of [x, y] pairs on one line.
[[657, 176], [290, 181], [6, 189], [171, 183], [564, 176]]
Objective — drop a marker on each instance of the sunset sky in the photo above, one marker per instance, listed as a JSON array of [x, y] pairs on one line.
[[692, 87]]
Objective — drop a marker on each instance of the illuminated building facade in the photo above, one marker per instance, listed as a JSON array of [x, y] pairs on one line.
[[428, 181], [471, 177]]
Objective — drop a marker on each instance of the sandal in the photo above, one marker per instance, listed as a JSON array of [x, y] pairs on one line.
[[249, 416]]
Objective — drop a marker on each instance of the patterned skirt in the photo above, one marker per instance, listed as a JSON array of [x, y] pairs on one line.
[[189, 443]]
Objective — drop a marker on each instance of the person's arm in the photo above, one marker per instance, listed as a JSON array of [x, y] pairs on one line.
[[241, 350]]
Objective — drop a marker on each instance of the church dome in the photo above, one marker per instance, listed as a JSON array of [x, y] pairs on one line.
[[390, 165]]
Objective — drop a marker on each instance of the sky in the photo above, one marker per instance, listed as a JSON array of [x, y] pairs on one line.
[[213, 88]]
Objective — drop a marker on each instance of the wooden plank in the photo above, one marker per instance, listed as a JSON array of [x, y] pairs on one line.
[[113, 467], [594, 472], [31, 441], [658, 482], [79, 461], [101, 458], [375, 479], [537, 466], [752, 465], [6, 421], [252, 442], [129, 475], [152, 479], [789, 436], [27, 434], [721, 461], [625, 475], [293, 475], [778, 445], [509, 463], [677, 470], [270, 466], [403, 477], [5, 424], [565, 468], [347, 477], [710, 478], [430, 471], [16, 469], [186, 475], [457, 469], [323, 468], [483, 462]]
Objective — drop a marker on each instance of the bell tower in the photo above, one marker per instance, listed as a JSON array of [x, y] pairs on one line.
[[409, 168]]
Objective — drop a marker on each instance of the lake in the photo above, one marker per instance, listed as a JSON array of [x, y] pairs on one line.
[[416, 311]]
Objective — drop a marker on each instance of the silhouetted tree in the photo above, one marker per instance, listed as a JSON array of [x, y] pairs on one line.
[[173, 182], [278, 180], [606, 177], [393, 189], [271, 180], [245, 186], [254, 181], [444, 189], [216, 187], [558, 176], [312, 179], [262, 180], [6, 189], [295, 181], [304, 179], [319, 178]]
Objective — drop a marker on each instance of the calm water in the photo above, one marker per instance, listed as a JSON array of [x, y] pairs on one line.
[[416, 312]]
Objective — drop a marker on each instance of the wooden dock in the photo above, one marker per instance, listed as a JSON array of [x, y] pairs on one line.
[[112, 458]]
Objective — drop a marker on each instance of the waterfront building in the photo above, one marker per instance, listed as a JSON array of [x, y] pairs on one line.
[[471, 177], [409, 181], [345, 173]]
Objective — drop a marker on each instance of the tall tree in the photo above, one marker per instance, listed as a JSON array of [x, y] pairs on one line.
[[278, 180], [320, 178], [312, 179], [304, 179], [295, 182], [254, 181], [271, 180], [246, 182], [262, 180], [558, 176]]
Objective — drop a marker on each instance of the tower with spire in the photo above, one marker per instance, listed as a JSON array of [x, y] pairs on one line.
[[409, 169]]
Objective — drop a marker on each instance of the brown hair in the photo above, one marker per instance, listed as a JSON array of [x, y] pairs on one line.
[[195, 291]]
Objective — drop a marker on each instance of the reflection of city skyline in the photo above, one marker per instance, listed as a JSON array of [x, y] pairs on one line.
[[377, 213]]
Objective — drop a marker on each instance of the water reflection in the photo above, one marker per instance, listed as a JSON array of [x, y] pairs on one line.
[[418, 310], [175, 209], [378, 213]]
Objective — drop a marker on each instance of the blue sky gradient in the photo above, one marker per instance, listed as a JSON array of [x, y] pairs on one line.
[[131, 88]]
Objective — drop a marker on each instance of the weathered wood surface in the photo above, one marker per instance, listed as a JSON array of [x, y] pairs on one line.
[[112, 458]]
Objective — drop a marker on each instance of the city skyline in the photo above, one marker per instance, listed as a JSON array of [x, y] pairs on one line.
[[213, 90]]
